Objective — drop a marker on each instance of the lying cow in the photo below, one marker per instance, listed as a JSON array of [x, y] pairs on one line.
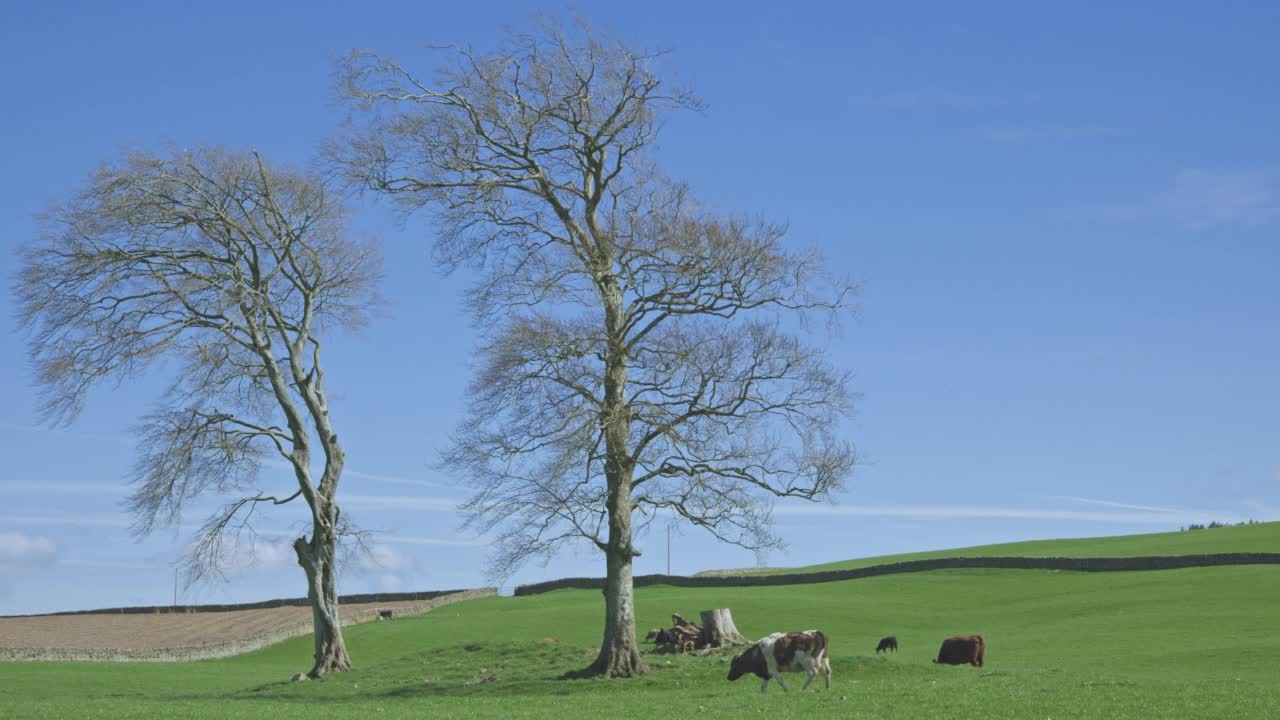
[[887, 644], [784, 652], [962, 649]]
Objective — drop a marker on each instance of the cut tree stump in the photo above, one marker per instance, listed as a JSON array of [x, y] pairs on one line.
[[718, 629]]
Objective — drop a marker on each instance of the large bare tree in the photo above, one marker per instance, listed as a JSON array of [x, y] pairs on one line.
[[232, 270], [637, 354]]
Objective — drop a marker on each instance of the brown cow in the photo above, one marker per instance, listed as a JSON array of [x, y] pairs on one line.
[[962, 649], [785, 652]]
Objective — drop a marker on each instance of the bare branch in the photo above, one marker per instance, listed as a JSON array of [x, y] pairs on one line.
[[235, 269]]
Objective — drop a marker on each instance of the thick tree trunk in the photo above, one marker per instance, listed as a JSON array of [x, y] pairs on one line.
[[317, 559], [718, 629], [619, 653]]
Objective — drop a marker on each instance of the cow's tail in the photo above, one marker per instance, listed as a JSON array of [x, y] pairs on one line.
[[823, 651]]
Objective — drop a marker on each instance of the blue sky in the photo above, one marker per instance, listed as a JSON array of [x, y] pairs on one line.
[[1065, 218]]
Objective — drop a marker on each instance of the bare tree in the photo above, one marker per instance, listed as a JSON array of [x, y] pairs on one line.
[[635, 353], [233, 269]]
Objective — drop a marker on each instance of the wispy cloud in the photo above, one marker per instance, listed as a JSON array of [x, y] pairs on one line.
[[1009, 513], [393, 479], [938, 99], [107, 564], [41, 487], [116, 520], [22, 554], [98, 437], [1112, 503], [412, 540], [372, 477], [18, 549], [398, 502], [1202, 198], [1043, 133]]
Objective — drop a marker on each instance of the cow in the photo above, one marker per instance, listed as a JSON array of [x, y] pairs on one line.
[[962, 649], [385, 614], [887, 644], [784, 652]]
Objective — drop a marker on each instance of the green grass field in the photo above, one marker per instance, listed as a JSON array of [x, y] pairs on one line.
[[1259, 537], [1196, 643]]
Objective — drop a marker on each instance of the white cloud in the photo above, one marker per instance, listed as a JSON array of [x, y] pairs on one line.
[[18, 549], [245, 556], [389, 583], [385, 558], [388, 567]]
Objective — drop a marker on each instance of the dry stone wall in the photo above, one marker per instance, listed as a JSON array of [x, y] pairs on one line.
[[1166, 562]]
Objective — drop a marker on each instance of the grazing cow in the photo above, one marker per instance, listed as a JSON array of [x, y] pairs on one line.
[[962, 649], [784, 652], [887, 644]]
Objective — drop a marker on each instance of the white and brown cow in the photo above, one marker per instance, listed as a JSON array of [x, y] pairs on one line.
[[784, 652]]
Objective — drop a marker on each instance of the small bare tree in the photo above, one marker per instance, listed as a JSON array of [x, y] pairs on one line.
[[636, 354], [233, 269]]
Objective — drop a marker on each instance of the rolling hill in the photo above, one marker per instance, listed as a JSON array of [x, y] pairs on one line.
[[1191, 643]]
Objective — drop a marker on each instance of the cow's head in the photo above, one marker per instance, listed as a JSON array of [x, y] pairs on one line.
[[747, 663]]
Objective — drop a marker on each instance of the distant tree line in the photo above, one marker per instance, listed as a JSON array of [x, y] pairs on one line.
[[1216, 524]]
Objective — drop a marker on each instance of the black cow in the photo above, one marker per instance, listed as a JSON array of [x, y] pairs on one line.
[[887, 644]]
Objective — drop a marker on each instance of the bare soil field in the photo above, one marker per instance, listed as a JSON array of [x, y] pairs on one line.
[[181, 636]]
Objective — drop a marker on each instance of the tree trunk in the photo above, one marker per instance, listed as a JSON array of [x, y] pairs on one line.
[[317, 559], [718, 629], [619, 653]]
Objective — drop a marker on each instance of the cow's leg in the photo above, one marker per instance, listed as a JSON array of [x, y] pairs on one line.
[[781, 684], [764, 686], [811, 666], [826, 670]]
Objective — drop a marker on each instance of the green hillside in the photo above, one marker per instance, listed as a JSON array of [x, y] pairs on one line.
[[1194, 643], [1258, 537]]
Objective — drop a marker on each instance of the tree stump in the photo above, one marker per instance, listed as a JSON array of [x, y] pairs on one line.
[[718, 629]]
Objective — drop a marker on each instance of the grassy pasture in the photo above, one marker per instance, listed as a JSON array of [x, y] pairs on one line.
[[1194, 643], [1259, 537]]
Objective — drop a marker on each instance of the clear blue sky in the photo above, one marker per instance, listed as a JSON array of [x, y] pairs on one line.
[[1065, 215]]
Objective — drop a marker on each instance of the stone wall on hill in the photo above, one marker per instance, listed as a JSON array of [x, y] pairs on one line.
[[1165, 562]]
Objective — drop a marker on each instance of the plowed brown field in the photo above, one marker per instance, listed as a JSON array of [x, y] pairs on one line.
[[179, 636]]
